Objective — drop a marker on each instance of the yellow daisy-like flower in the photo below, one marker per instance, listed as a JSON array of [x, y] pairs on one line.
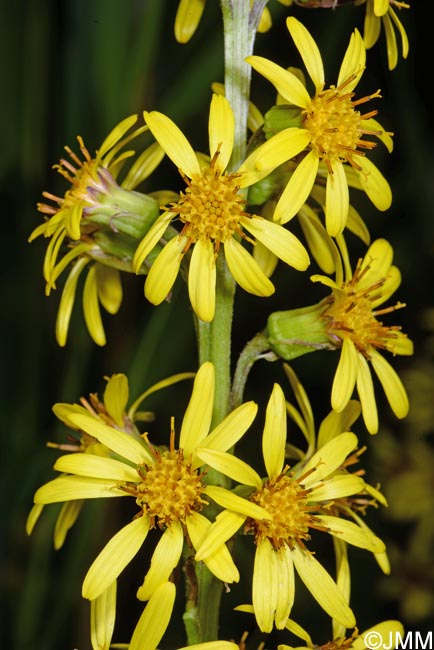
[[94, 203], [294, 503], [382, 13], [112, 410], [385, 634], [332, 132], [212, 214], [351, 316], [167, 486]]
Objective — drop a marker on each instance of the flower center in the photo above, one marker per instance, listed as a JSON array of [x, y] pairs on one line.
[[169, 489], [211, 207], [286, 500], [336, 127], [351, 315]]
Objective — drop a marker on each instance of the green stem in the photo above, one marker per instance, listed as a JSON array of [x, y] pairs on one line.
[[240, 22], [257, 348]]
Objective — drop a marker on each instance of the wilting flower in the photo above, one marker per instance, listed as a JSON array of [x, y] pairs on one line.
[[351, 316], [382, 13], [332, 131], [295, 503], [212, 214], [167, 486], [100, 221]]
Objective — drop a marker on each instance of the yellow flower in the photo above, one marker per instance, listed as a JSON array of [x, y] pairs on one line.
[[212, 214], [294, 502], [385, 634], [382, 13], [167, 486], [351, 316], [99, 221], [112, 410], [332, 130]]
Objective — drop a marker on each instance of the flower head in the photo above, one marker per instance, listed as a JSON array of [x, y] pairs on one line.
[[167, 486], [331, 133], [97, 221], [296, 503], [212, 214], [351, 316], [381, 13]]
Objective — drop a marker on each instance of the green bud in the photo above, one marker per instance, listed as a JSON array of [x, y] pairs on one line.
[[296, 332], [281, 117]]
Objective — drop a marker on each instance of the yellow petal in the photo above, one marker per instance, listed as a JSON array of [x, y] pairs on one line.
[[392, 47], [221, 131], [65, 520], [385, 632], [202, 280], [68, 488], [108, 282], [96, 466], [155, 618], [245, 270], [231, 466], [114, 557], [197, 418], [374, 184], [274, 436], [297, 189], [278, 240], [102, 618], [365, 389], [384, 136], [308, 50], [342, 485], [232, 428], [353, 63], [92, 314], [116, 397], [212, 645], [285, 82], [235, 503], [220, 562], [266, 573], [337, 200], [345, 376], [392, 385], [371, 27], [281, 147], [335, 423], [164, 559], [327, 459], [322, 587], [33, 517], [353, 534], [118, 441], [150, 240], [174, 142], [286, 587], [187, 19], [164, 270], [143, 166], [225, 526], [318, 241], [376, 263], [116, 134], [67, 301]]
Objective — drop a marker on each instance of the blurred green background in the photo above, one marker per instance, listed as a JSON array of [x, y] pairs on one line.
[[78, 67]]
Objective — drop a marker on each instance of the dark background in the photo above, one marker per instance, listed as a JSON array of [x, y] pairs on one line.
[[78, 67]]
